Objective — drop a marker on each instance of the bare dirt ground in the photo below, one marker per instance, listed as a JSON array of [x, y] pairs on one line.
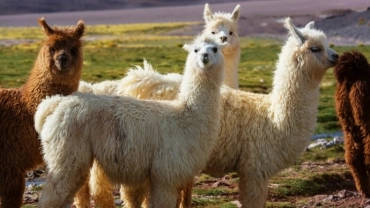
[[339, 192]]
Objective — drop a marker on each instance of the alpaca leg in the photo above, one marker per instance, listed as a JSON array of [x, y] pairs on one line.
[[82, 198], [11, 190], [101, 187], [355, 159], [366, 152], [253, 191], [133, 196], [60, 188], [68, 171], [186, 195], [162, 196]]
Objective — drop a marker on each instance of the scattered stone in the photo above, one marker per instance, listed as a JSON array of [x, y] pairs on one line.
[[331, 198], [118, 202], [317, 143], [345, 194]]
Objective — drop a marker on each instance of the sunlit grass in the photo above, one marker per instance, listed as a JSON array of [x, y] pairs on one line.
[[96, 30]]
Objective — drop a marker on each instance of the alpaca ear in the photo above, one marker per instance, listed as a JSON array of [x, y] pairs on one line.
[[207, 14], [235, 14], [310, 25], [295, 32], [80, 29], [187, 47], [48, 31]]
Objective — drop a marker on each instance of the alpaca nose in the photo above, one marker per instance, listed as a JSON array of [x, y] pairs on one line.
[[223, 38], [62, 59], [205, 58], [334, 58]]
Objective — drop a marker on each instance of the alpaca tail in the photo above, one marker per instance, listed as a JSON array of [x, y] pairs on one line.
[[352, 62], [46, 108], [146, 83]]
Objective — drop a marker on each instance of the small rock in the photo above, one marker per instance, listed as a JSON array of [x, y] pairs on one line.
[[345, 193], [331, 198], [118, 202]]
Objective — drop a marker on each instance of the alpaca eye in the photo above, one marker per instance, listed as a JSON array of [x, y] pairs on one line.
[[74, 50], [52, 50], [214, 50], [213, 32], [315, 49], [230, 33], [196, 50]]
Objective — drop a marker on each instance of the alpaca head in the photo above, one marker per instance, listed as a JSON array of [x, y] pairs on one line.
[[204, 53], [222, 26], [61, 52], [352, 66], [308, 50]]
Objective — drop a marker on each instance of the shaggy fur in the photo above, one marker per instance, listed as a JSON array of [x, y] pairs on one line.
[[262, 134], [57, 70], [352, 98], [134, 141]]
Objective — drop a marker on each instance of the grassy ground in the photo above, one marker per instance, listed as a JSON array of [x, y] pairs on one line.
[[108, 54]]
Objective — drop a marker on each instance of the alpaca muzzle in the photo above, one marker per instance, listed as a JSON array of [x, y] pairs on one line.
[[333, 57], [62, 61], [205, 58], [223, 39]]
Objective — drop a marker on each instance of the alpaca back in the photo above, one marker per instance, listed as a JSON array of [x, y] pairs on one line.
[[145, 83]]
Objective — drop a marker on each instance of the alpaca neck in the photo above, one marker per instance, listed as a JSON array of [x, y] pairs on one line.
[[232, 56], [42, 83], [201, 91], [294, 99]]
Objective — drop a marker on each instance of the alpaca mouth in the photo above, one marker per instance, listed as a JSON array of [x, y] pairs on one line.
[[334, 62], [62, 62], [61, 66]]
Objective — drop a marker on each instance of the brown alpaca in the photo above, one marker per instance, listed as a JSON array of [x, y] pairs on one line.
[[57, 70], [352, 104]]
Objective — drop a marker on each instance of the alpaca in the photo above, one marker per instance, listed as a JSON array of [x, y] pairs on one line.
[[351, 98], [124, 135], [222, 27], [57, 70], [261, 134]]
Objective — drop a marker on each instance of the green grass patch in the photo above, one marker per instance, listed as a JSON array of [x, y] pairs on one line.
[[316, 154], [97, 30]]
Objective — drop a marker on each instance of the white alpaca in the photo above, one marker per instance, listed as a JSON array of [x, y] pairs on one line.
[[261, 134], [220, 26], [134, 141]]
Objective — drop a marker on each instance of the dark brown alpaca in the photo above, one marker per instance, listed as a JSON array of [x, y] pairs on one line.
[[353, 109], [57, 70]]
